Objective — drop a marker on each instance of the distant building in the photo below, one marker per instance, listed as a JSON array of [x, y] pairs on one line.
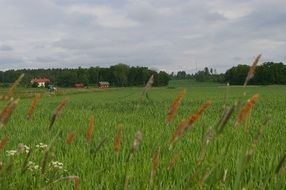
[[41, 82], [79, 85], [103, 84]]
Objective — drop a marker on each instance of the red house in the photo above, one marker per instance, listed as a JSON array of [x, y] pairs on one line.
[[103, 85], [79, 85], [40, 81]]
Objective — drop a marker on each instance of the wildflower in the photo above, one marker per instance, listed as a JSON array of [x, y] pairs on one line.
[[41, 146], [22, 148], [11, 152], [56, 165], [32, 166]]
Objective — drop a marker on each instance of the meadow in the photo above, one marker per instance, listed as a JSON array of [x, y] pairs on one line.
[[209, 155]]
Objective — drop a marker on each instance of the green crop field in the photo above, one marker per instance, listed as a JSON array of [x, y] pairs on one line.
[[248, 156]]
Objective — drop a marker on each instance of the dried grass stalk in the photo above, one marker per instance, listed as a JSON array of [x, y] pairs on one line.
[[246, 109], [251, 71], [135, 145], [148, 86], [280, 164], [117, 140], [33, 106], [188, 123], [155, 165], [57, 111], [11, 90], [89, 132], [136, 142], [76, 183], [156, 160], [71, 136], [7, 111], [175, 105], [3, 142], [173, 161]]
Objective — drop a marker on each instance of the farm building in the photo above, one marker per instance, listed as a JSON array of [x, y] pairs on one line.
[[41, 82], [103, 85], [79, 85]]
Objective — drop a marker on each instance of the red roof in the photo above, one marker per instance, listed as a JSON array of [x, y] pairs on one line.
[[79, 85], [40, 80]]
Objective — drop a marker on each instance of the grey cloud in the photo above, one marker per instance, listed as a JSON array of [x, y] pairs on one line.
[[5, 48], [164, 34]]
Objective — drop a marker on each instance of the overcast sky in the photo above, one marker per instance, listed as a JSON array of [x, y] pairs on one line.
[[168, 35]]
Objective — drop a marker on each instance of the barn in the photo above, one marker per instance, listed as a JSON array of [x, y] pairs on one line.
[[103, 84], [41, 82]]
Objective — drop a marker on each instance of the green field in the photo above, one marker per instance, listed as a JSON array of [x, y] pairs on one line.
[[97, 165]]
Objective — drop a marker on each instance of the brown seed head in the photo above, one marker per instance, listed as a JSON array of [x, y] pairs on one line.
[[11, 90], [7, 111], [3, 142], [71, 137], [155, 160], [175, 105], [57, 111], [173, 161], [246, 109], [76, 183], [117, 140], [33, 106], [251, 71], [89, 132], [188, 123]]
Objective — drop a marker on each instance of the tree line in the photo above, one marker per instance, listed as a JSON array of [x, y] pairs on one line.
[[123, 75], [117, 75], [265, 74]]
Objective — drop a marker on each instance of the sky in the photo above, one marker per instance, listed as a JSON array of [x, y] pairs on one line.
[[168, 35]]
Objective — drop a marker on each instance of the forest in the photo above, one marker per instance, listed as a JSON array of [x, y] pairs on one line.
[[122, 75]]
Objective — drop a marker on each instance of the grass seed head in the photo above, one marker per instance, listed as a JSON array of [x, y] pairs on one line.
[[136, 142], [188, 123], [246, 109], [57, 111], [7, 111], [33, 106], [76, 183], [173, 161], [148, 86], [11, 90], [156, 160], [3, 142], [251, 71], [117, 140], [89, 132], [175, 105], [71, 136]]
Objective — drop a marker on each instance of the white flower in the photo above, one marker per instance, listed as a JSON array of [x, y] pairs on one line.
[[23, 148], [56, 165], [32, 166], [11, 152], [41, 146]]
